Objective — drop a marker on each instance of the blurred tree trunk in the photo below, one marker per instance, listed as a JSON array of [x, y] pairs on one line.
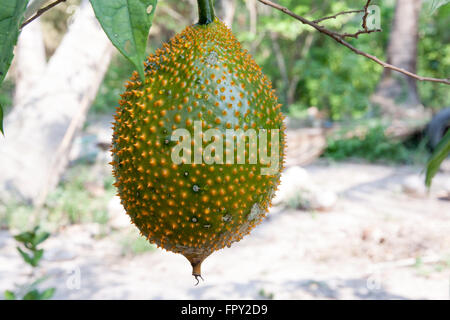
[[194, 13], [39, 131], [226, 10], [30, 61], [396, 93]]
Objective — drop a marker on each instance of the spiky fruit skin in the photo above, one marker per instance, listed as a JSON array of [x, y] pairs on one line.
[[201, 74]]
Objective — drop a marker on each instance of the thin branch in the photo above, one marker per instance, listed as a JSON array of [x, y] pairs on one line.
[[340, 39], [366, 14], [364, 22], [356, 34], [41, 11], [34, 6], [337, 14]]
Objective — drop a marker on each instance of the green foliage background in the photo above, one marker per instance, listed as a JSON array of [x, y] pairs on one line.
[[330, 77], [315, 70]]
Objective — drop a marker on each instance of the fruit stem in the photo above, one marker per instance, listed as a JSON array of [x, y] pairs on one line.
[[196, 268], [196, 276], [205, 11]]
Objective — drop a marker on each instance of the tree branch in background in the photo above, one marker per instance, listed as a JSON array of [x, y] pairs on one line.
[[366, 14], [337, 14], [355, 35], [340, 38], [33, 7], [41, 11]]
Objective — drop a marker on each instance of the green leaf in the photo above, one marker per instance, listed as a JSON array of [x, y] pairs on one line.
[[26, 257], [39, 238], [47, 294], [127, 24], [24, 237], [37, 257], [9, 295], [11, 16], [31, 260], [32, 295], [442, 151]]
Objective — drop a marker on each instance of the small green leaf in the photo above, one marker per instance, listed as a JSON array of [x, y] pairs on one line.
[[37, 257], [442, 151], [127, 24], [32, 295], [40, 237], [47, 294], [9, 295], [26, 257], [24, 237]]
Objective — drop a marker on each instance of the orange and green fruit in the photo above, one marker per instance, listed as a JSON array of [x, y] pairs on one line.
[[201, 74]]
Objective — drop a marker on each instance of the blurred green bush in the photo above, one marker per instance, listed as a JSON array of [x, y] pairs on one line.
[[375, 146]]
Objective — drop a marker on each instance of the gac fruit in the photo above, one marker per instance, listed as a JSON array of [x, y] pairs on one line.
[[202, 77]]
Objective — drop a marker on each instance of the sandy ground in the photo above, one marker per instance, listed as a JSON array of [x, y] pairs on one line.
[[378, 242]]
